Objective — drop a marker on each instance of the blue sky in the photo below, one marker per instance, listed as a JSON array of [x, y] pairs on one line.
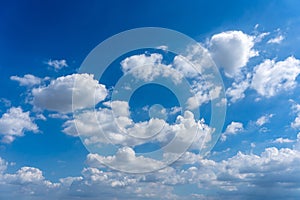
[[46, 152]]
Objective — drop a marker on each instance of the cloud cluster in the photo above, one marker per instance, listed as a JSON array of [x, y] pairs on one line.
[[114, 125], [26, 183], [236, 177]]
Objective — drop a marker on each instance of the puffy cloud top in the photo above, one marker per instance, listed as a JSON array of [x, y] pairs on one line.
[[232, 50]]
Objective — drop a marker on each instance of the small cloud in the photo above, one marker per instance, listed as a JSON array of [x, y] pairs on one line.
[[283, 140], [27, 80], [59, 116], [261, 36], [232, 129], [57, 64], [163, 47], [5, 102], [276, 40], [263, 120]]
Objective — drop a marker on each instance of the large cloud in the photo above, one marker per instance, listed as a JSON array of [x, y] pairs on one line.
[[14, 123], [232, 50], [57, 96], [272, 77]]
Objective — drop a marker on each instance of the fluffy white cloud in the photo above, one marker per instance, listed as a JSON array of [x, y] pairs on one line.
[[27, 80], [239, 176], [126, 160], [148, 67], [232, 50], [263, 119], [272, 77], [235, 177], [104, 126], [26, 175], [232, 129], [276, 40], [57, 64], [57, 96], [14, 123]]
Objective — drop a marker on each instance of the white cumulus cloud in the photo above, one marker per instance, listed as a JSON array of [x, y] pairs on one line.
[[232, 50], [27, 80], [148, 67], [57, 96], [272, 77], [14, 123], [126, 160]]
